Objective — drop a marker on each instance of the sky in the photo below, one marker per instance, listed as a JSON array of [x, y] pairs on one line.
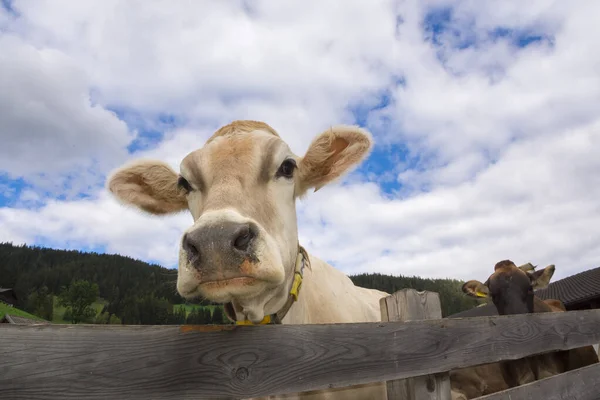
[[485, 119]]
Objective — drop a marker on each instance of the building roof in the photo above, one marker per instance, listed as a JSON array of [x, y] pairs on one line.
[[572, 289], [8, 296]]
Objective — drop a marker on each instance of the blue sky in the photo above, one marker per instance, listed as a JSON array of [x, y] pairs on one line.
[[466, 105]]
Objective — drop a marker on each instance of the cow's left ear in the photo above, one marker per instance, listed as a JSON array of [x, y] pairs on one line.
[[541, 278], [332, 154], [476, 289]]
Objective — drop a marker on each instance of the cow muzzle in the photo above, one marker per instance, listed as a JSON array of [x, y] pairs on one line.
[[221, 250]]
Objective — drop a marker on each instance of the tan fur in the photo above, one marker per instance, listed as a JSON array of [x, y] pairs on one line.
[[477, 381], [242, 126], [149, 185], [555, 305], [473, 287], [529, 267], [234, 179], [542, 280], [330, 154]]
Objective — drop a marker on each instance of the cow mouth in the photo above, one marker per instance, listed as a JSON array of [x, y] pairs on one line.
[[238, 281]]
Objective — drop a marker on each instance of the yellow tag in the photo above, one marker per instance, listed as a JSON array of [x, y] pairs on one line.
[[296, 285], [480, 294], [265, 320]]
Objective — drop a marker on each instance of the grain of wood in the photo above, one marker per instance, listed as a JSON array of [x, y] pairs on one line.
[[410, 305], [191, 362], [579, 384]]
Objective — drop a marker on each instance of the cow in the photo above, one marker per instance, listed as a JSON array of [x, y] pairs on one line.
[[511, 289], [242, 248], [476, 381], [480, 380]]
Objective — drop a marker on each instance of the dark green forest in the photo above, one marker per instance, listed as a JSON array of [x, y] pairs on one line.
[[136, 292], [451, 296]]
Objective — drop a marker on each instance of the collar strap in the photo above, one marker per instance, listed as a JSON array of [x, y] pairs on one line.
[[301, 261]]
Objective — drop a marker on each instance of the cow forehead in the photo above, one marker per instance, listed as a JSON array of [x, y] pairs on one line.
[[505, 267], [511, 275], [238, 154], [233, 171]]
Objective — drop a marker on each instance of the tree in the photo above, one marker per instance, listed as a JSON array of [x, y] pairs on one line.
[[41, 303], [207, 316], [78, 298], [177, 316], [197, 316], [101, 318], [114, 320], [217, 316]]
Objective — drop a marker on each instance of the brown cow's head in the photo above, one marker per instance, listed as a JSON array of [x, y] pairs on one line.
[[511, 287], [240, 189]]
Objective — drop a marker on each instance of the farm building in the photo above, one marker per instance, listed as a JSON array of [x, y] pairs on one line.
[[8, 296], [577, 292]]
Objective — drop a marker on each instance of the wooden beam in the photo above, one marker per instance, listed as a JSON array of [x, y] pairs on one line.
[[142, 362], [410, 305], [579, 384]]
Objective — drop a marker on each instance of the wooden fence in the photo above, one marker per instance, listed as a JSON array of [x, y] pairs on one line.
[[413, 349]]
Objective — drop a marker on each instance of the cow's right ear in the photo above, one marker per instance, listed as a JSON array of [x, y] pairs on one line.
[[149, 185], [332, 154], [540, 279], [476, 289]]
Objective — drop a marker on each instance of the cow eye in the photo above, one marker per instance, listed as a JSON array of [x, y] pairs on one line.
[[184, 184], [286, 169]]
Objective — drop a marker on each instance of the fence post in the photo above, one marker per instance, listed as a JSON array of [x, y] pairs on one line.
[[407, 305]]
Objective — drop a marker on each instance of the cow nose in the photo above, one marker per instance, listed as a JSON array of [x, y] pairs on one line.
[[190, 245], [225, 241], [242, 236]]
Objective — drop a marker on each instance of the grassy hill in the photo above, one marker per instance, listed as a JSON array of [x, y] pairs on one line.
[[5, 309]]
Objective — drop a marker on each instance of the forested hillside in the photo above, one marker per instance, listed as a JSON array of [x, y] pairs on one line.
[[135, 292], [451, 296]]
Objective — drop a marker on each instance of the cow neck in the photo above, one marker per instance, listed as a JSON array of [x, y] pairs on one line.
[[302, 261]]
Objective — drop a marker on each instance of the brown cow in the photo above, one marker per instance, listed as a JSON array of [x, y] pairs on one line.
[[480, 380], [511, 289], [471, 382]]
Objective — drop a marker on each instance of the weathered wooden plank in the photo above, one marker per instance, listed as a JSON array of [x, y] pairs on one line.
[[145, 362], [579, 384], [410, 305]]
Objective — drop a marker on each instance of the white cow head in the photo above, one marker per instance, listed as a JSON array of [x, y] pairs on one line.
[[240, 189]]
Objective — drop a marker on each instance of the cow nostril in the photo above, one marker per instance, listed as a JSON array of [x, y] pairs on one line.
[[242, 237], [191, 250]]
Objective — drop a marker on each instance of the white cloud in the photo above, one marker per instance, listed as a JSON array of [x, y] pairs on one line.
[[47, 123], [161, 56], [508, 138]]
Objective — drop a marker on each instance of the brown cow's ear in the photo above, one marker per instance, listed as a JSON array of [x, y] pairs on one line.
[[332, 154], [529, 267], [541, 278], [148, 185], [476, 289]]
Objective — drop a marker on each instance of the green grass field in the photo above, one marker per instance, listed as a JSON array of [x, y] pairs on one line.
[[59, 312], [98, 305], [190, 307], [5, 309]]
